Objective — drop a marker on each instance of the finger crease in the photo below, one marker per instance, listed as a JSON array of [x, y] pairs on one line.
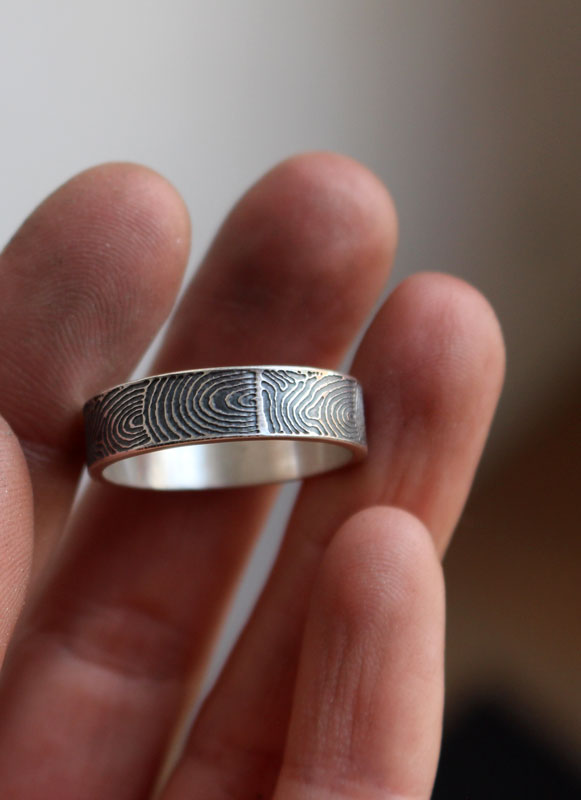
[[129, 642]]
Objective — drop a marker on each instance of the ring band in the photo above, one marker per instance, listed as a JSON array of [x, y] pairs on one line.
[[229, 426]]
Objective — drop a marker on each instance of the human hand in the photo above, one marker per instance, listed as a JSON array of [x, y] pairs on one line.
[[335, 688]]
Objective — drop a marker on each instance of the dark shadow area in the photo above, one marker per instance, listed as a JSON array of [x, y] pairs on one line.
[[489, 753]]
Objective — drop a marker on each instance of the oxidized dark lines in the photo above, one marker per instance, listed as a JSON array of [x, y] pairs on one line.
[[235, 402], [297, 402]]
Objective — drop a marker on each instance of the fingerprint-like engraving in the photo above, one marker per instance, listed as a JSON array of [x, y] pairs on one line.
[[114, 421], [223, 403], [307, 402], [201, 405]]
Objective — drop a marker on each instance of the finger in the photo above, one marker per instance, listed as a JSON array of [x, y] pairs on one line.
[[16, 531], [85, 284], [431, 366], [367, 710], [292, 275]]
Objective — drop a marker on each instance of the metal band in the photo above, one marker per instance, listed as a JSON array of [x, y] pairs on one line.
[[244, 425]]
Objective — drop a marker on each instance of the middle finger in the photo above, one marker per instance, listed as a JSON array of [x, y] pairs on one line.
[[291, 277]]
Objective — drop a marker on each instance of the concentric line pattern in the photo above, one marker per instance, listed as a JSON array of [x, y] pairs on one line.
[[217, 403], [201, 405], [169, 409], [114, 421], [299, 402]]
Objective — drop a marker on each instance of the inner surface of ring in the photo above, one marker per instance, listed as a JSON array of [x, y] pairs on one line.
[[219, 464]]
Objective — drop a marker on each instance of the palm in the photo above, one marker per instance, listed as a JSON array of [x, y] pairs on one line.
[[335, 688]]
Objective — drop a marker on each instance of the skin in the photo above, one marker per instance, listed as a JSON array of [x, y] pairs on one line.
[[335, 687]]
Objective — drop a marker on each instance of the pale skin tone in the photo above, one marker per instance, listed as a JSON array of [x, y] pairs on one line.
[[335, 688]]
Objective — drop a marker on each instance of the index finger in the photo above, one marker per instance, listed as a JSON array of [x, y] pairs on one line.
[[84, 285]]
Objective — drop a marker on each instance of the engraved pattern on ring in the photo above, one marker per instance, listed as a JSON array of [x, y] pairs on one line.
[[204, 404], [200, 405], [297, 402], [114, 421]]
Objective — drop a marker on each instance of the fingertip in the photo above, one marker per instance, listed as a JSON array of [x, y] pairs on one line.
[[381, 571], [318, 211], [16, 530], [453, 332], [133, 217], [432, 365], [297, 266], [368, 704], [111, 198], [340, 205], [99, 263], [356, 194], [140, 192]]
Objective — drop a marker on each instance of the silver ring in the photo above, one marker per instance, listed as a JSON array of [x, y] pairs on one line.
[[229, 426]]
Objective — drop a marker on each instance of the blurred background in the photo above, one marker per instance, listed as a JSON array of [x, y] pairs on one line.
[[471, 114]]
